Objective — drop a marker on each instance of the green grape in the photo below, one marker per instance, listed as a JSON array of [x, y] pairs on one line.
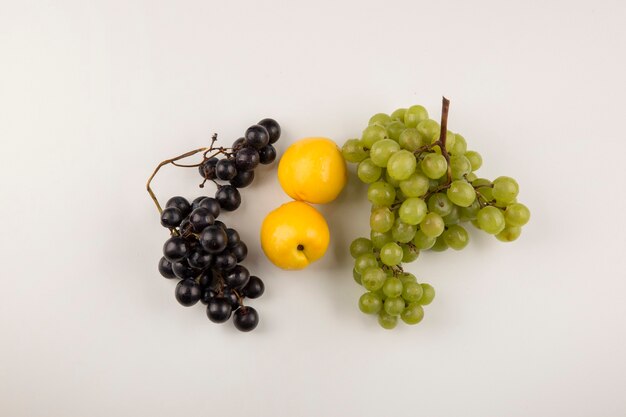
[[416, 185], [460, 145], [503, 205], [392, 287], [398, 114], [490, 219], [373, 279], [461, 193], [459, 166], [402, 232], [365, 261], [392, 181], [409, 254], [469, 213], [401, 165], [412, 314], [370, 303], [515, 214], [423, 242], [414, 115], [381, 193], [381, 220], [412, 210], [456, 237], [471, 177], [356, 276], [429, 129], [395, 129], [476, 161], [440, 245], [439, 203], [410, 140], [407, 277], [394, 306], [412, 292], [432, 225], [368, 172], [509, 233], [382, 150], [505, 189], [453, 217], [486, 192], [379, 118], [373, 134], [434, 166], [481, 182], [353, 151], [428, 296], [380, 239], [391, 254], [387, 321], [360, 246]]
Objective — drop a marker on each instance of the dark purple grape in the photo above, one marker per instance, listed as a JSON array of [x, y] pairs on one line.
[[246, 159], [196, 203], [225, 169], [257, 136], [211, 204], [171, 217], [238, 277], [199, 259], [176, 248], [242, 179], [207, 294], [232, 297], [213, 239], [206, 279], [165, 268], [240, 251], [185, 226], [183, 271], [246, 319], [220, 224], [233, 237], [254, 288], [181, 204], [267, 154], [201, 218], [224, 261], [218, 310], [188, 292], [207, 168], [239, 143], [228, 197], [272, 127]]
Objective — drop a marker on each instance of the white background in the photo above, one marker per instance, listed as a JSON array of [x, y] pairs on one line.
[[94, 94]]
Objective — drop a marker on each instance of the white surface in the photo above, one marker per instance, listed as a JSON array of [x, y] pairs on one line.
[[94, 94]]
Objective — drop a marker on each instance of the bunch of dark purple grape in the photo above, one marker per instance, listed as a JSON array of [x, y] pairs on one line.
[[202, 251], [238, 164], [205, 255]]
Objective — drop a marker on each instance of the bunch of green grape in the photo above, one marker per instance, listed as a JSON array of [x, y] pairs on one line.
[[423, 187]]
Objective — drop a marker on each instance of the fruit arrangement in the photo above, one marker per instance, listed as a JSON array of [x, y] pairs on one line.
[[422, 186], [312, 170], [202, 252]]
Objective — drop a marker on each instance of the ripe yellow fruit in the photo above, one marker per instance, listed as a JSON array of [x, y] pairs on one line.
[[313, 170], [294, 235]]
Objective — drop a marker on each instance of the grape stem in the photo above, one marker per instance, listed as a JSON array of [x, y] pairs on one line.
[[173, 161], [445, 106]]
